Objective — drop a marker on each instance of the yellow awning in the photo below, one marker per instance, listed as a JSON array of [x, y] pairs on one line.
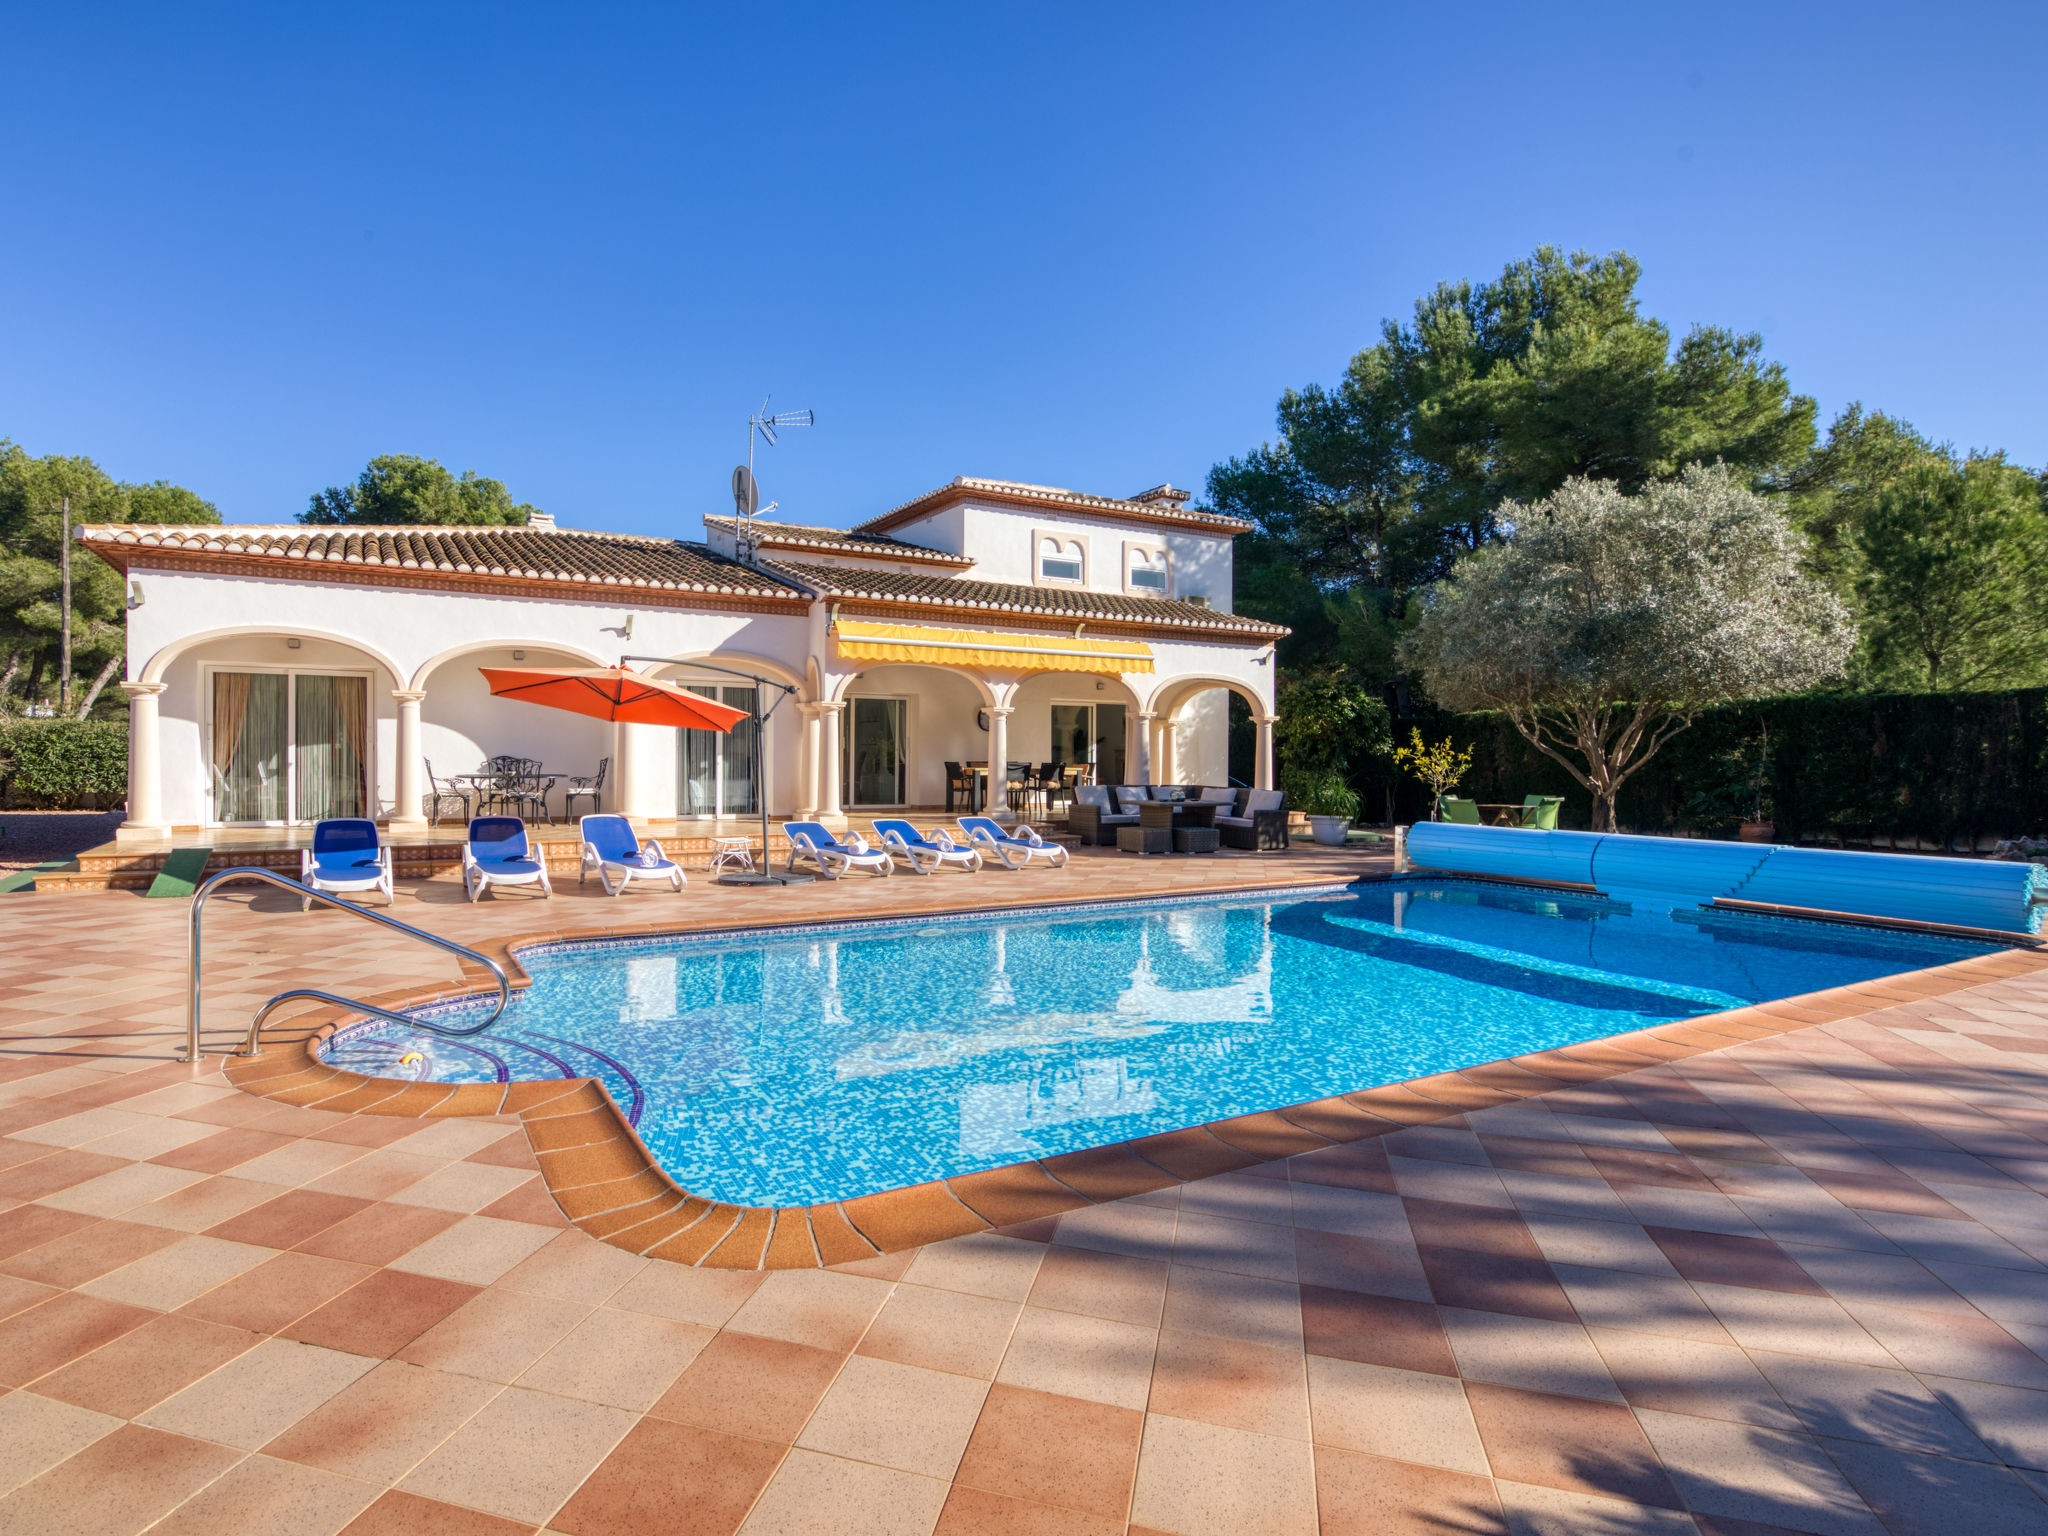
[[985, 648]]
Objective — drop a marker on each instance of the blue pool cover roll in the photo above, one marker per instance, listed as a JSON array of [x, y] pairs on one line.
[[1962, 893]]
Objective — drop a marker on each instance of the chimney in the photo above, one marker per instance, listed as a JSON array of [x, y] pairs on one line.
[[1165, 497], [541, 522]]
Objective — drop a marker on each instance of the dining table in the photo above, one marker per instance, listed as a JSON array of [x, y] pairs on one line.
[[536, 786]]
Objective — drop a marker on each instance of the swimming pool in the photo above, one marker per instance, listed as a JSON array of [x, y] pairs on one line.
[[796, 1066]]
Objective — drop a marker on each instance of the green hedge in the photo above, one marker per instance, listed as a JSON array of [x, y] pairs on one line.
[[1950, 770], [59, 762]]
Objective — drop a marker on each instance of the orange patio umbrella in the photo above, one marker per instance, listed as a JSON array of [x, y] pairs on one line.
[[612, 693]]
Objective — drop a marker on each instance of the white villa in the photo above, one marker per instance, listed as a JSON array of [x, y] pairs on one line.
[[281, 674]]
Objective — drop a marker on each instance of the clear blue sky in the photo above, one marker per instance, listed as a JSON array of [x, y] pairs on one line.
[[570, 246]]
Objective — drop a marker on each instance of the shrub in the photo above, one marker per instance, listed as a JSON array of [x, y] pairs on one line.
[[60, 762], [1333, 736]]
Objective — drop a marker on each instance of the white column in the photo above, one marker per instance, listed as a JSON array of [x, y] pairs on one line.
[[807, 763], [829, 810], [1262, 763], [635, 754], [1145, 719], [145, 765], [999, 762], [407, 809], [1169, 751]]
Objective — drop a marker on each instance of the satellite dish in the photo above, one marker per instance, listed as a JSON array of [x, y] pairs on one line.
[[746, 495]]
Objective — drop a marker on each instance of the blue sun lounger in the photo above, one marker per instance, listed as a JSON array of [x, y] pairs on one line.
[[923, 855], [810, 843], [498, 853], [1014, 849], [345, 858], [611, 847]]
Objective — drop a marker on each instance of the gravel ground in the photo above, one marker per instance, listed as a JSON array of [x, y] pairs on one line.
[[35, 837]]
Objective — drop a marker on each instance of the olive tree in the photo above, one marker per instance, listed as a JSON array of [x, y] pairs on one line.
[[1604, 622]]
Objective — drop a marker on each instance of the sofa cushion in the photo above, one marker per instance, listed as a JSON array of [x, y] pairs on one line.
[[1265, 800], [1092, 794], [1130, 796]]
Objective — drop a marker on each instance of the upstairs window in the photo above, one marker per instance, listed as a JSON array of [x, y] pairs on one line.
[[1061, 561], [1147, 572]]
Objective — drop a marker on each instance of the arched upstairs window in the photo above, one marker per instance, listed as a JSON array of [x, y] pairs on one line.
[[1147, 572], [1061, 560]]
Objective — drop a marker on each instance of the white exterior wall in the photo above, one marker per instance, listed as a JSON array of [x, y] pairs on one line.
[[999, 540], [409, 638]]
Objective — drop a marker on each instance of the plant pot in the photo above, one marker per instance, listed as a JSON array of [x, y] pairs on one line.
[[1329, 830], [1756, 831]]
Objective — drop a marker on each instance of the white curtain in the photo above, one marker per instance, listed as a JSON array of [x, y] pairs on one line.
[[248, 746], [328, 735]]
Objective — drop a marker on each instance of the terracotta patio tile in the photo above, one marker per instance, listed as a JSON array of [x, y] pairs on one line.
[[222, 1150], [1234, 1306], [900, 1416], [512, 1150], [522, 1456], [1206, 1480], [385, 1423], [1495, 1282], [59, 1170], [1478, 1228], [905, 1218], [256, 1395], [1740, 1471], [707, 1297], [37, 1433], [366, 1130], [830, 1311], [528, 1202], [1049, 1449], [1269, 1135], [619, 1358], [140, 1369], [382, 1314], [1361, 1495], [379, 1233], [1351, 1165], [1375, 1330], [205, 1204], [88, 1252], [1629, 1165], [120, 1483], [1673, 1375], [1022, 1192], [1569, 1443], [38, 1340], [20, 1295], [942, 1331], [1719, 1259], [1944, 1344], [262, 1494], [1226, 1381], [1077, 1356], [288, 1220], [1401, 1105], [980, 1264], [670, 1479], [813, 1494], [1407, 1415], [495, 1335], [1879, 1192], [1111, 1285], [973, 1512], [29, 1226], [761, 1388], [575, 1268], [1639, 1303]]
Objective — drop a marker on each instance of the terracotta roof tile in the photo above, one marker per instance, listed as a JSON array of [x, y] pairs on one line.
[[1158, 510], [564, 555], [1007, 597], [840, 540]]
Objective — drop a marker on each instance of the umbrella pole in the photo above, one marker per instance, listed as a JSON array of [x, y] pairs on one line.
[[764, 875]]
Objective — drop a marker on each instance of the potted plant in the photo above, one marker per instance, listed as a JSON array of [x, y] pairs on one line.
[[1332, 805]]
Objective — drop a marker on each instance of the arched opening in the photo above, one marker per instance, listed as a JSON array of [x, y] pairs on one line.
[[907, 729], [463, 726], [273, 728], [1208, 730], [1084, 726], [721, 774]]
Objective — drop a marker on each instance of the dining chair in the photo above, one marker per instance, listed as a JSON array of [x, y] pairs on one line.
[[959, 787], [591, 784], [439, 798]]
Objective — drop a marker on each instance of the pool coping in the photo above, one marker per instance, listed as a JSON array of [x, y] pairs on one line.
[[610, 1186]]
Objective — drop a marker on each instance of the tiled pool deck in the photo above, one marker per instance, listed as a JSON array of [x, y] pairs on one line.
[[1794, 1283]]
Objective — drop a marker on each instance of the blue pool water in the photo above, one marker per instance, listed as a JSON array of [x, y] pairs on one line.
[[779, 1069]]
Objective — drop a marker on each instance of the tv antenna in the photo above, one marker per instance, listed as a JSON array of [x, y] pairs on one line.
[[746, 490]]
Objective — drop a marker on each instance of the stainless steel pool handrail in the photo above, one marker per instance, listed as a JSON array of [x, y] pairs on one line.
[[271, 877]]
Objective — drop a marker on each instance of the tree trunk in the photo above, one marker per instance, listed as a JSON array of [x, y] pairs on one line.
[[92, 694], [7, 678]]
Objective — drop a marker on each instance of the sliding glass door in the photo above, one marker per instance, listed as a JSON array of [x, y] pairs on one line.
[[289, 746], [1091, 734], [874, 751], [715, 769]]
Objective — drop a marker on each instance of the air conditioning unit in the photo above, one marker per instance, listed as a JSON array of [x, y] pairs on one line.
[[1198, 599]]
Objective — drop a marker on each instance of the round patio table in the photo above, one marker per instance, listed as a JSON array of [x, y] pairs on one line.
[[732, 853]]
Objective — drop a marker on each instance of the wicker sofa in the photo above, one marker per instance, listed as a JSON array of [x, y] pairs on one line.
[[1099, 809], [1259, 823]]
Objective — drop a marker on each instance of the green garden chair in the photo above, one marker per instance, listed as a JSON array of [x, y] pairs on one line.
[[1465, 811], [1542, 812]]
